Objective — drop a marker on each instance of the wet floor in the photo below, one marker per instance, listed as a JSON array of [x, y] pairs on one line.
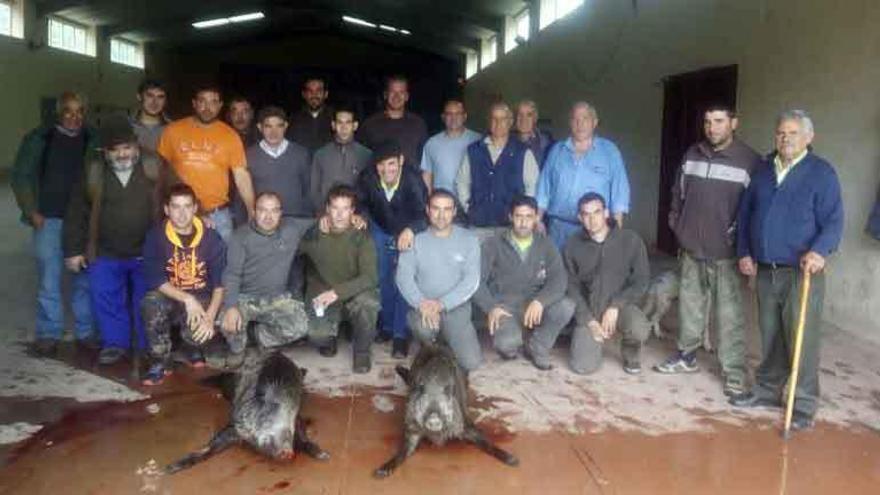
[[107, 449]]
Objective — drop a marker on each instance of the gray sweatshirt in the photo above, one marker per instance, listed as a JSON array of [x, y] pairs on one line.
[[443, 268], [510, 278], [258, 264], [333, 164]]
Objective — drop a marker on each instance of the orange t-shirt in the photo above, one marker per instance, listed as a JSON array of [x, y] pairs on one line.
[[202, 157]]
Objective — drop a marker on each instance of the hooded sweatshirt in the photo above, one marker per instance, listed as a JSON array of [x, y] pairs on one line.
[[192, 264]]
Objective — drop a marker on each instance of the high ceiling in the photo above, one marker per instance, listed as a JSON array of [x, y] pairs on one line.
[[443, 27]]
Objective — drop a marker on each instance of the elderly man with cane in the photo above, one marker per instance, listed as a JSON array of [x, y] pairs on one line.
[[790, 220]]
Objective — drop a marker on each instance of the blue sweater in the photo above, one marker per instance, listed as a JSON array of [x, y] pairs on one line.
[[779, 224]]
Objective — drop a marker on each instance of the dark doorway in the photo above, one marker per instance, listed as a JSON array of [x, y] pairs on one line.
[[685, 96]]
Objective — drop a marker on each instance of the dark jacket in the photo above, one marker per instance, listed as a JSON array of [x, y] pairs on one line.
[[493, 186], [406, 208], [105, 218], [781, 223], [508, 280], [705, 198], [311, 132], [540, 144], [600, 275], [196, 268], [333, 164], [27, 170]]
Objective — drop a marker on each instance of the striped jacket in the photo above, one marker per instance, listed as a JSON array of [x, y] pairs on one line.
[[706, 195]]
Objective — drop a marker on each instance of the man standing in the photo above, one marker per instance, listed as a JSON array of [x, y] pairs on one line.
[[444, 151], [790, 220], [705, 198], [258, 261], [111, 209], [310, 126], [528, 132], [49, 161], [279, 165], [341, 280], [494, 171], [607, 275], [522, 286], [150, 120], [582, 163], [202, 151], [183, 266], [395, 123], [438, 276], [339, 161], [240, 116], [393, 197]]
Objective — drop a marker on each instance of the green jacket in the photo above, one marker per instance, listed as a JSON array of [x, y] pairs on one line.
[[27, 169], [345, 262]]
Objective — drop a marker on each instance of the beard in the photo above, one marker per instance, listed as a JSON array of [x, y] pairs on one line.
[[123, 164]]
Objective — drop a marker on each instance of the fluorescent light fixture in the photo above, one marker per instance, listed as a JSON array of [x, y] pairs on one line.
[[405, 32], [386, 27], [359, 22], [253, 16], [210, 23], [222, 21]]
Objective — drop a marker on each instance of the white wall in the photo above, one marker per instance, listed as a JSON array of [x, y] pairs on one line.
[[812, 54], [27, 75]]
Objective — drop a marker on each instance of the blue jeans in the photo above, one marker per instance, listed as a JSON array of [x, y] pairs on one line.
[[392, 317], [117, 290], [50, 271], [561, 230], [222, 219]]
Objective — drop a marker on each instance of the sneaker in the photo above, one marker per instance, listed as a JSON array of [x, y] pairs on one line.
[[632, 366], [749, 399], [92, 343], [329, 349], [801, 421], [46, 347], [400, 349], [362, 363], [156, 375], [195, 358], [110, 355], [679, 363], [733, 387], [382, 337], [508, 356]]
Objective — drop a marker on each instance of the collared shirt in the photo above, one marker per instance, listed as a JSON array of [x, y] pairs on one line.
[[781, 170], [390, 190], [566, 177], [274, 152], [442, 156], [463, 179]]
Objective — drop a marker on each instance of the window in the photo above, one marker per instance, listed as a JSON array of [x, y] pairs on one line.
[[553, 10], [490, 51], [516, 28], [126, 52], [67, 35], [5, 19], [521, 21], [11, 21], [471, 64]]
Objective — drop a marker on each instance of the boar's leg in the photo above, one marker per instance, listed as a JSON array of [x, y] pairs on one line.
[[223, 439], [407, 448], [405, 374], [302, 443], [476, 437]]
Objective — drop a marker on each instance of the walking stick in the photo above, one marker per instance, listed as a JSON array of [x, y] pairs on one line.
[[796, 359]]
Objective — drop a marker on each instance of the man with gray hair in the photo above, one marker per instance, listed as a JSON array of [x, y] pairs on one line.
[[528, 132], [493, 171], [580, 164], [49, 161], [790, 220]]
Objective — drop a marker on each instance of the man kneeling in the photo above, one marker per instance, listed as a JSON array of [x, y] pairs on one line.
[[183, 265], [342, 280], [258, 264], [523, 285]]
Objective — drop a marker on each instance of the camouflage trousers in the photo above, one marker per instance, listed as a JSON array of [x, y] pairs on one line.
[[277, 320], [719, 283], [361, 311], [161, 313]]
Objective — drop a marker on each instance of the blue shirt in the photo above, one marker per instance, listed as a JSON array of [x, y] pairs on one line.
[[442, 156], [566, 178]]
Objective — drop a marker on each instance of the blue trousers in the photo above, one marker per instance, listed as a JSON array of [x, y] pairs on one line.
[[392, 317], [117, 290], [50, 271], [560, 231]]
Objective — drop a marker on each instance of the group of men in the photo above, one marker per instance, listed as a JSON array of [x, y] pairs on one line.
[[377, 229]]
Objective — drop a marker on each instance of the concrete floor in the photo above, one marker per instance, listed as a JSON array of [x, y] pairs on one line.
[[68, 427]]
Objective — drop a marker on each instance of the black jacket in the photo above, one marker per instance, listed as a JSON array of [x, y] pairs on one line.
[[406, 208]]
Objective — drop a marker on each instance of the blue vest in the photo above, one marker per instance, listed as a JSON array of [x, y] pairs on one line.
[[494, 186]]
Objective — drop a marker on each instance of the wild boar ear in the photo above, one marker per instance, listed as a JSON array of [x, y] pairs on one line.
[[405, 374], [303, 371]]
